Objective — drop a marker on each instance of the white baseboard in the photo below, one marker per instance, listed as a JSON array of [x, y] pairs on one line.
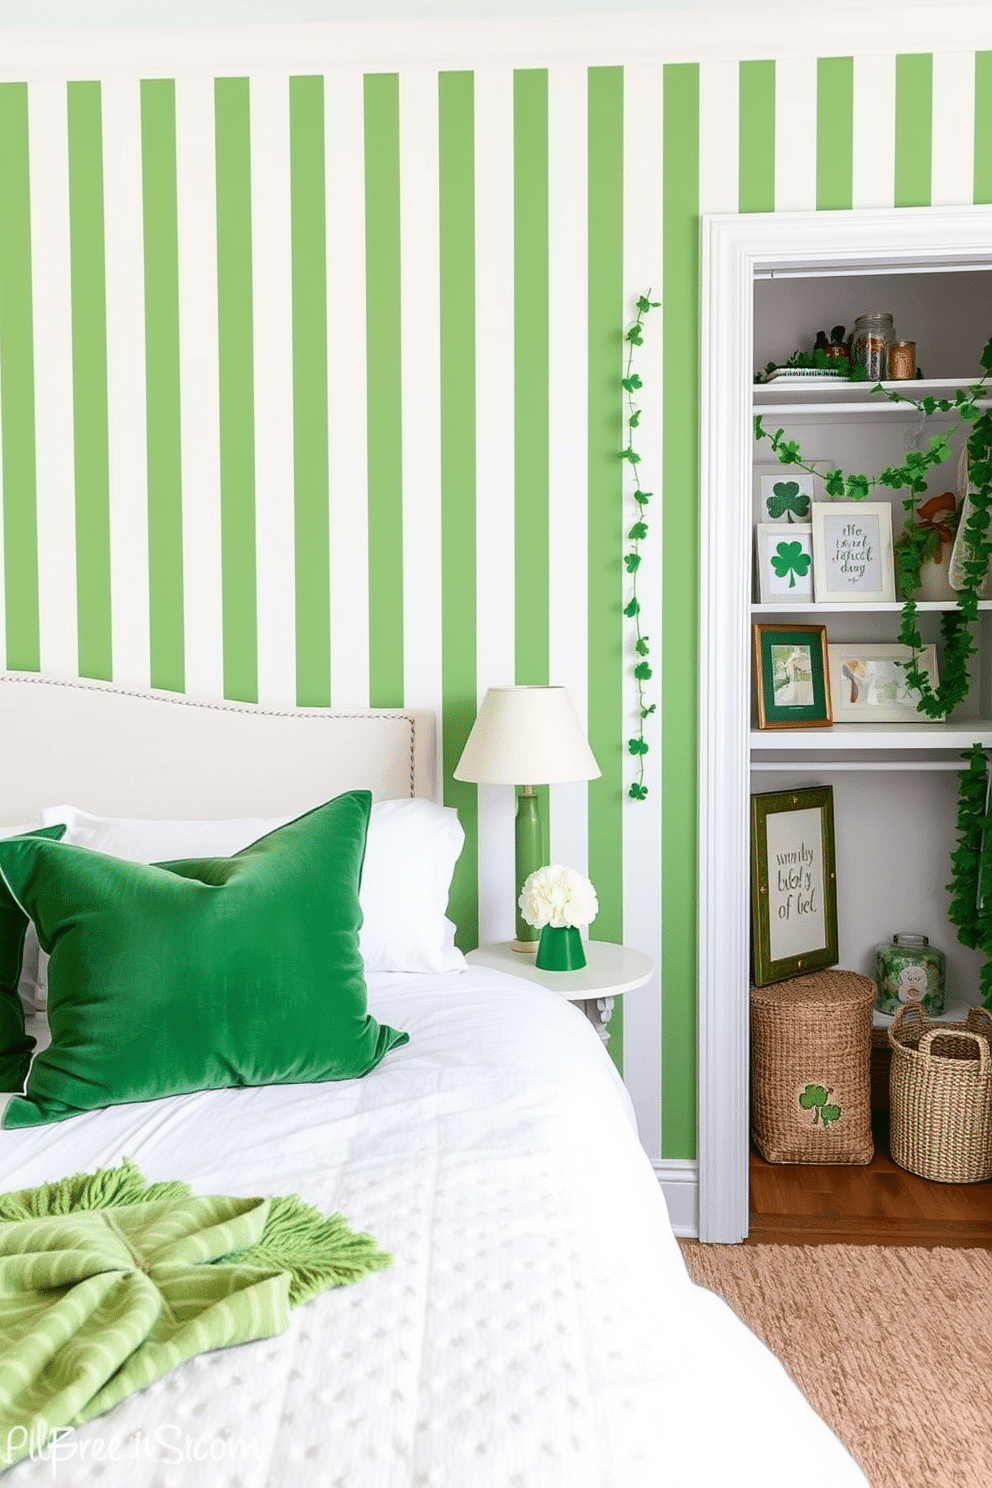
[[679, 1181]]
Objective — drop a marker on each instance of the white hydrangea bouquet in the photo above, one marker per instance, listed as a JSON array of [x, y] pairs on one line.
[[557, 900]]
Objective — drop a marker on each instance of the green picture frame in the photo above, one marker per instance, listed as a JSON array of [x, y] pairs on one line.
[[793, 884], [791, 676]]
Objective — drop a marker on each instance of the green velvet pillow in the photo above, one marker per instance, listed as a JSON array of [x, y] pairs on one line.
[[195, 975], [15, 1043]]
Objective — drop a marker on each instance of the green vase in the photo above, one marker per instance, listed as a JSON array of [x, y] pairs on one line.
[[560, 948]]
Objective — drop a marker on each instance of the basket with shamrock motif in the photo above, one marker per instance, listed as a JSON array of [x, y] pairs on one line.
[[810, 1056], [940, 1089]]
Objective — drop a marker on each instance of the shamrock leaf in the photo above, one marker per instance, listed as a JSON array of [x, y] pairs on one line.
[[637, 746], [638, 792], [632, 560], [642, 671], [829, 1114], [787, 498], [790, 559], [813, 1095], [639, 530]]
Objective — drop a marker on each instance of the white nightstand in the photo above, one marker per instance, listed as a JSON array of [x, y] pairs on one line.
[[610, 970]]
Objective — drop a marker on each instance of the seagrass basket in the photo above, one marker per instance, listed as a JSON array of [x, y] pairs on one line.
[[940, 1090], [810, 1057]]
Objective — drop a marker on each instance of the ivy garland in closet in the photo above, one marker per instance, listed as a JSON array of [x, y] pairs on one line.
[[971, 862]]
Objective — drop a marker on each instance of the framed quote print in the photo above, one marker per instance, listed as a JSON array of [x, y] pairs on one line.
[[852, 552], [793, 884]]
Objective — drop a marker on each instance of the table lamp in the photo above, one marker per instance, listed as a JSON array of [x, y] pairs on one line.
[[528, 734]]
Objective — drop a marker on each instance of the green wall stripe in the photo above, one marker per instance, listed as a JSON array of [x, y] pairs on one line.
[[89, 380], [914, 129], [236, 392], [530, 376], [834, 133], [310, 451], [983, 127], [606, 312], [20, 518], [456, 186], [384, 398], [164, 457], [756, 138], [680, 605]]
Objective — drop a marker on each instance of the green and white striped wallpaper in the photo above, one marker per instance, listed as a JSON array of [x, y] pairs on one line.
[[309, 393]]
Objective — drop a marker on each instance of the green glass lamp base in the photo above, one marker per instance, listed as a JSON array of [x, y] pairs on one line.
[[560, 949]]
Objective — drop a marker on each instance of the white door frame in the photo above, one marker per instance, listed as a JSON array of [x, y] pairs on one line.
[[733, 249]]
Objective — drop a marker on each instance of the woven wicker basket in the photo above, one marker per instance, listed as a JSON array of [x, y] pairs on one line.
[[810, 1054], [941, 1096]]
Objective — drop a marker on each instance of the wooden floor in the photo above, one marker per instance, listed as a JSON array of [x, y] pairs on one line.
[[881, 1204]]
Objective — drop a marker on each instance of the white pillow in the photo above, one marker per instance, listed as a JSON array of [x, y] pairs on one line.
[[410, 856]]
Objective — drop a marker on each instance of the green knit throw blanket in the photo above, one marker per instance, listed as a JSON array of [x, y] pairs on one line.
[[108, 1282]]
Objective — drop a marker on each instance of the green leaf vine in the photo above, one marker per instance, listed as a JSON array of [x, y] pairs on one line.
[[971, 863], [637, 745], [957, 625]]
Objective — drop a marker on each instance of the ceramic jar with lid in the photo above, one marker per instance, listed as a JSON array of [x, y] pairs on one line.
[[909, 969], [870, 340]]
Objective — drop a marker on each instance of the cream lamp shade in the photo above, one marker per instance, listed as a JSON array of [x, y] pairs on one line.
[[526, 736]]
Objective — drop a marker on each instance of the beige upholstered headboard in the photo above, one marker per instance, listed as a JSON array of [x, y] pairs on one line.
[[158, 754]]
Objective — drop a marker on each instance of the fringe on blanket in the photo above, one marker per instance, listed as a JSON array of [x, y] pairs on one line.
[[318, 1253]]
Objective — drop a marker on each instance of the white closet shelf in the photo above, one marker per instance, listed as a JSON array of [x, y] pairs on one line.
[[876, 737], [833, 396], [858, 609]]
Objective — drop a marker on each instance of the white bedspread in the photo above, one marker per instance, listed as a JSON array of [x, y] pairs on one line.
[[537, 1329]]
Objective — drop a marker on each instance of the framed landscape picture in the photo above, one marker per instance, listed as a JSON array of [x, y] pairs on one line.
[[852, 552], [792, 684], [784, 557], [793, 884], [868, 682], [784, 494]]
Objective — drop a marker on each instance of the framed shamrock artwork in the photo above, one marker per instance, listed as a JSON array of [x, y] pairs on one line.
[[785, 563], [785, 495]]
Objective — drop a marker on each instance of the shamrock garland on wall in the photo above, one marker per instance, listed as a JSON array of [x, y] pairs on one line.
[[637, 745]]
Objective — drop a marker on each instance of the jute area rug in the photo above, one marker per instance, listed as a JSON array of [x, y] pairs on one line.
[[893, 1347]]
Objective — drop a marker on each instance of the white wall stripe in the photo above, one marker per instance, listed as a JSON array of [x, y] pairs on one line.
[[873, 172], [344, 132], [494, 506], [420, 393], [568, 464], [641, 822], [795, 136], [198, 386], [49, 158], [953, 128], [130, 626], [272, 314], [719, 129]]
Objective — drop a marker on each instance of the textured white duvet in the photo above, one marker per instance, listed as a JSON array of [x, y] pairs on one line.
[[537, 1328]]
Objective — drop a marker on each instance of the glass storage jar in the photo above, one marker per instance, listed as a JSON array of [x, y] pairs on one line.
[[870, 342], [909, 969]]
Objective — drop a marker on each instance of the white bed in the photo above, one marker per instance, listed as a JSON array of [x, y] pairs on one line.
[[537, 1328]]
